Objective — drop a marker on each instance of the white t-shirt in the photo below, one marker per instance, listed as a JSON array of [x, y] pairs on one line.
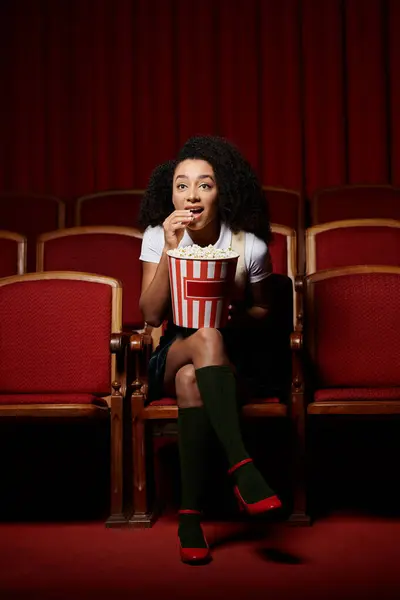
[[256, 256]]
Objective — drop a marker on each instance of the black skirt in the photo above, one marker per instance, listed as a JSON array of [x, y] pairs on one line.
[[254, 363]]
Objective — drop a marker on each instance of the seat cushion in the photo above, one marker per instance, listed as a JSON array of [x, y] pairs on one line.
[[343, 394], [172, 401], [14, 399]]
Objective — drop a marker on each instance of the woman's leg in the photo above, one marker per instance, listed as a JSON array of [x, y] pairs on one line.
[[195, 436], [194, 427], [217, 389]]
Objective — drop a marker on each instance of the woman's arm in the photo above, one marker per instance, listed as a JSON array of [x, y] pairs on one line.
[[259, 269], [258, 312], [155, 295]]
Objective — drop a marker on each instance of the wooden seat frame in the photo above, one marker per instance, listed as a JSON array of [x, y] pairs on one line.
[[21, 242]]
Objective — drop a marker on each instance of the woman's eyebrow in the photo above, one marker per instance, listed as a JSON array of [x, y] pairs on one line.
[[199, 177]]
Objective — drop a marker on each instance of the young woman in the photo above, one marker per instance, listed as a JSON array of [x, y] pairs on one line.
[[206, 195]]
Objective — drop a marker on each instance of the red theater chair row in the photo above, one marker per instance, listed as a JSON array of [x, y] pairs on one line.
[[346, 361], [121, 207], [335, 244], [33, 214], [373, 242], [114, 252]]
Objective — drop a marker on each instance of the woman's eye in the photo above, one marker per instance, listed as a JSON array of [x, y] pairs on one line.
[[205, 186], [181, 186]]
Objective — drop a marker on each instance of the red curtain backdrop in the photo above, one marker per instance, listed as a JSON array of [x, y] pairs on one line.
[[95, 93]]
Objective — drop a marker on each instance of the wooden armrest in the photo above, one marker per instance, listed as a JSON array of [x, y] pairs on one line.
[[118, 346], [137, 342], [118, 342], [140, 348]]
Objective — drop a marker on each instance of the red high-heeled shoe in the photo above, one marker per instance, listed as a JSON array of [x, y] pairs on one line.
[[194, 555], [255, 508]]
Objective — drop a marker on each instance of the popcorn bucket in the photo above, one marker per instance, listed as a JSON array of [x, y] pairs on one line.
[[201, 290]]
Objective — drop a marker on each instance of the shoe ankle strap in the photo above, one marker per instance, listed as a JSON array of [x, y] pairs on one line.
[[189, 512], [239, 464]]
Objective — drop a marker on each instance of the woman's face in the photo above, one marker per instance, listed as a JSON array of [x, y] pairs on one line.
[[194, 188]]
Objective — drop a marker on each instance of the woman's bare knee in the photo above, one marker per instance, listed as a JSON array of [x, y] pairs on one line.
[[187, 392], [209, 347]]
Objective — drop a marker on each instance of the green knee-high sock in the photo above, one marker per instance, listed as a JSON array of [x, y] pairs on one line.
[[217, 386], [195, 433]]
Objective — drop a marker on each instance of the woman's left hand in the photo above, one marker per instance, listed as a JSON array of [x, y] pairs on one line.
[[241, 317], [233, 316]]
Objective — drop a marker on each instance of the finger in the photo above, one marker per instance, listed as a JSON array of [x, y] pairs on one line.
[[177, 226], [179, 219], [178, 214], [181, 222]]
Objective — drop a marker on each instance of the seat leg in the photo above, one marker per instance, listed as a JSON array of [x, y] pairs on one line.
[[299, 519], [299, 516], [143, 515], [117, 517]]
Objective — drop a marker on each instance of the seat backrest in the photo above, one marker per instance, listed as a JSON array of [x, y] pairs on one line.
[[31, 215], [55, 333], [352, 326], [114, 207], [110, 251], [284, 259], [352, 242], [283, 248], [12, 253], [355, 202], [285, 206]]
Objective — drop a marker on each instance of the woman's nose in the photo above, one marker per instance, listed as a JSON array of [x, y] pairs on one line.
[[193, 197]]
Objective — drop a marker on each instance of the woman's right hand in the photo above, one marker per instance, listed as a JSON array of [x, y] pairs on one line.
[[174, 227]]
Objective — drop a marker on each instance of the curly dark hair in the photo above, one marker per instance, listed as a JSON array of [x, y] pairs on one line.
[[242, 204]]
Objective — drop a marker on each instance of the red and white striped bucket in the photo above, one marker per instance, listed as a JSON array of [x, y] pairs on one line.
[[201, 290]]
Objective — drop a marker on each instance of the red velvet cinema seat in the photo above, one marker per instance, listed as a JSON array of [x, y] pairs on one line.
[[12, 253], [283, 250], [55, 336], [110, 251], [352, 242], [114, 207], [286, 405], [31, 215], [355, 202], [348, 360], [287, 207]]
